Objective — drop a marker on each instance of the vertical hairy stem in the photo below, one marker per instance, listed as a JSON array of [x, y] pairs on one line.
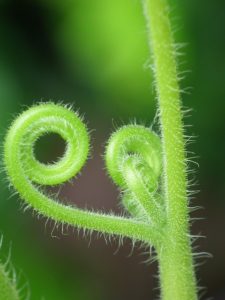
[[175, 258], [133, 160]]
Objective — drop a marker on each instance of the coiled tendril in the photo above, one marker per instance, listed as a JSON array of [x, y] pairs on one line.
[[133, 159]]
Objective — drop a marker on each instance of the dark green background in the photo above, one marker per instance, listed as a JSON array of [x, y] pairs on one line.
[[94, 54]]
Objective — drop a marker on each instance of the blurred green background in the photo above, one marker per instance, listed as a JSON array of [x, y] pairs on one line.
[[94, 54]]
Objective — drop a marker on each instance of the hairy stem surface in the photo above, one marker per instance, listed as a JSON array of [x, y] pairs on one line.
[[8, 289], [26, 173], [176, 265]]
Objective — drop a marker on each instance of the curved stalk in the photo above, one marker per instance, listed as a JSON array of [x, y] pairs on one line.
[[25, 172]]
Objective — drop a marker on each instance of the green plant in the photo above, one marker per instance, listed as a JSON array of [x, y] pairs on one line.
[[176, 255], [135, 158], [23, 169], [8, 285]]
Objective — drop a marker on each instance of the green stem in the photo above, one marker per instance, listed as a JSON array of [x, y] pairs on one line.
[[8, 289], [26, 173], [176, 264]]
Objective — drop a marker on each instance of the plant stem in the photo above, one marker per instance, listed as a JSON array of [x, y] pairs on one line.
[[8, 289], [176, 265], [24, 170]]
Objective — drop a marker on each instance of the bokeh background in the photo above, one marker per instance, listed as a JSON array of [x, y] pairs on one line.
[[94, 54]]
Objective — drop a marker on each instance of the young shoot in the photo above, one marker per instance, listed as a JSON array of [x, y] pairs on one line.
[[149, 169]]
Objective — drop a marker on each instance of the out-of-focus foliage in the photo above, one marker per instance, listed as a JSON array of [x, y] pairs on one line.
[[105, 44]]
